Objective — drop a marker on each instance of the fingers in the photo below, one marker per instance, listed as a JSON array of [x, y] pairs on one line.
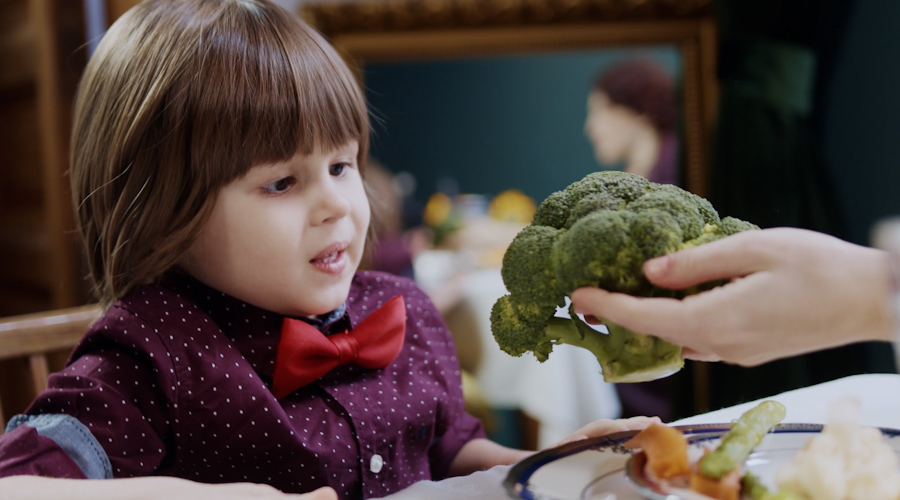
[[597, 428], [730, 257], [639, 423], [686, 322], [604, 426], [689, 353], [655, 316]]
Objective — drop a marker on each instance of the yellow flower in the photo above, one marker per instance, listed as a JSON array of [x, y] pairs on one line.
[[512, 205], [438, 209]]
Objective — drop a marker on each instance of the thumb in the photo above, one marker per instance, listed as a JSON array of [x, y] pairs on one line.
[[721, 259]]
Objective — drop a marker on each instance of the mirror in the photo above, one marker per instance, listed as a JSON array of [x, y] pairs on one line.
[[492, 93], [483, 90]]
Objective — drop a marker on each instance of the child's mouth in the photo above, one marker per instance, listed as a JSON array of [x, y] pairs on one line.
[[332, 260], [329, 258]]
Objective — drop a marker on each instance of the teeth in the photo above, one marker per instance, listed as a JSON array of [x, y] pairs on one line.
[[329, 258]]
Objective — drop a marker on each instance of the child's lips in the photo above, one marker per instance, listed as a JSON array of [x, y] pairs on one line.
[[332, 260]]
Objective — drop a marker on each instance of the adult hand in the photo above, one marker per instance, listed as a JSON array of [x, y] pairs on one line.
[[149, 488], [791, 291]]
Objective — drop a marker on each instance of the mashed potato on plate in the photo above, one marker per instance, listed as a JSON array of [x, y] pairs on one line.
[[845, 461]]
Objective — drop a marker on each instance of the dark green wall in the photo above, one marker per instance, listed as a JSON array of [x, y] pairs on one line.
[[491, 123]]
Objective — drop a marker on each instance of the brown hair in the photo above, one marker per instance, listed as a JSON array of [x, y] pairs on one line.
[[181, 98], [643, 86]]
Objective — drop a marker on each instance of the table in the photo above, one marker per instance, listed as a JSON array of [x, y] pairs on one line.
[[879, 395]]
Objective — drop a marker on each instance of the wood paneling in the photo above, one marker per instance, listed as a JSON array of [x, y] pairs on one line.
[[41, 59]]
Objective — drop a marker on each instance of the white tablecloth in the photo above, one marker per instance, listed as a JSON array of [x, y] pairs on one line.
[[879, 395], [563, 393]]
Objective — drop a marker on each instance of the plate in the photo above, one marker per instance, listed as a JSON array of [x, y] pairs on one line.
[[595, 469]]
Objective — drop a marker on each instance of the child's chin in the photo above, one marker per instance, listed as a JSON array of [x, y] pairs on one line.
[[332, 302]]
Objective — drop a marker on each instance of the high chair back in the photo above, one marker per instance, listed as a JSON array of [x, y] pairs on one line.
[[35, 336]]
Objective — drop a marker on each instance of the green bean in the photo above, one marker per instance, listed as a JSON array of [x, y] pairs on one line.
[[745, 435]]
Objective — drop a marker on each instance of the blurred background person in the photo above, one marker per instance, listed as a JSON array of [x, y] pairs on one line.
[[631, 120]]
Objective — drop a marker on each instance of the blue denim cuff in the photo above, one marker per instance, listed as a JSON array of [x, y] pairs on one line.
[[73, 437]]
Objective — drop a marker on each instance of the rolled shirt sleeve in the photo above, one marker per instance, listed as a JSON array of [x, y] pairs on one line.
[[107, 414], [52, 445]]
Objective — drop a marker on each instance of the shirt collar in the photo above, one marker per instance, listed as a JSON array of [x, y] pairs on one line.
[[253, 331], [324, 321]]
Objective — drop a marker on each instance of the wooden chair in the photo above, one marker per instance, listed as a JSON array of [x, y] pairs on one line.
[[35, 336]]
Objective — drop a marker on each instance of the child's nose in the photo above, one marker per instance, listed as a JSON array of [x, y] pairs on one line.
[[331, 203]]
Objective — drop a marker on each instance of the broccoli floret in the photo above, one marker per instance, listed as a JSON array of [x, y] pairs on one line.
[[522, 329], [707, 211], [730, 225], [553, 211], [592, 203], [525, 271], [599, 231], [607, 249], [628, 187], [712, 232], [682, 208]]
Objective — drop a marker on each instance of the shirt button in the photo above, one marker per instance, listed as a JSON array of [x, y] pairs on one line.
[[376, 464]]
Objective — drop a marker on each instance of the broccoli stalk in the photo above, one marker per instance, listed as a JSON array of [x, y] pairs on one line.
[[598, 232], [624, 356]]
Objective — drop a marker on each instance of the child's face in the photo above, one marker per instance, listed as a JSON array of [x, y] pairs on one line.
[[287, 237]]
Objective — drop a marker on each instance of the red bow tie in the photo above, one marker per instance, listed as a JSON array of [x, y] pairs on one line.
[[305, 354]]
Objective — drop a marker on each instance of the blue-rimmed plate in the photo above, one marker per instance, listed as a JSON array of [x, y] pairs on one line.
[[602, 469]]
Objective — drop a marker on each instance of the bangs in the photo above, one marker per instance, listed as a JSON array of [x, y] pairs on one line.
[[182, 97], [281, 90]]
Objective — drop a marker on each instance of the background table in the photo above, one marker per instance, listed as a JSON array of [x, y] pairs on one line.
[[879, 395]]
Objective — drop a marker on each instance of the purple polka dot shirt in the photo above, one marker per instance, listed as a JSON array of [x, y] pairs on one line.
[[176, 381]]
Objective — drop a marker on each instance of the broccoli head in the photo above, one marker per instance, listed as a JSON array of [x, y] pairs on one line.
[[598, 232]]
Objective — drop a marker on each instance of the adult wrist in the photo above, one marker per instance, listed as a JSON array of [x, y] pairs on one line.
[[886, 298]]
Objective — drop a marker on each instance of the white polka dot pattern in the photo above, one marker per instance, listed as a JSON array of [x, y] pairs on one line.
[[176, 381]]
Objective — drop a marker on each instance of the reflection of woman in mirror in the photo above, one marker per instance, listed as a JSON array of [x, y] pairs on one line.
[[631, 120]]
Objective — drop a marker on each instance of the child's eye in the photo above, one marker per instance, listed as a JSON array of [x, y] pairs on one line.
[[279, 186], [337, 169]]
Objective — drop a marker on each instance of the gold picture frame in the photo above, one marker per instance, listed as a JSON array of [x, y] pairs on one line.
[[422, 30]]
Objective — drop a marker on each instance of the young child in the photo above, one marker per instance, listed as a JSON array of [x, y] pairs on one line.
[[217, 171]]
